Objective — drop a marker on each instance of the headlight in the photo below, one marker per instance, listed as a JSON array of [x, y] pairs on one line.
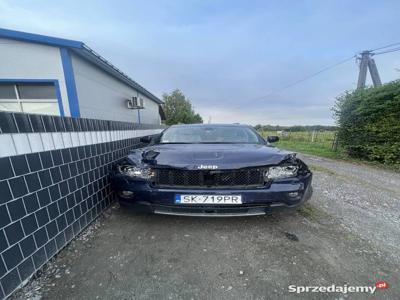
[[137, 172], [281, 172]]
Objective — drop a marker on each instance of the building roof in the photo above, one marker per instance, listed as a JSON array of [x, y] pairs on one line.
[[82, 50]]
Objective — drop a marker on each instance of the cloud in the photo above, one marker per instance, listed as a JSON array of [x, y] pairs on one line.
[[225, 54]]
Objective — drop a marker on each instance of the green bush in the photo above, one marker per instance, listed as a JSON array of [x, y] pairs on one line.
[[369, 123]]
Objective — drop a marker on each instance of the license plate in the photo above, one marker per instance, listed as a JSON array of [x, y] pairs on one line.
[[208, 199]]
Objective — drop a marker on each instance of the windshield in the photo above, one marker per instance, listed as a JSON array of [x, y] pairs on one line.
[[210, 135]]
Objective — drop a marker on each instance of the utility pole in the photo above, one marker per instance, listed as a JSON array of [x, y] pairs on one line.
[[367, 62]]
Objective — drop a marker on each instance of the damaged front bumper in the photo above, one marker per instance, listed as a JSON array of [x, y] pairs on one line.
[[143, 197]]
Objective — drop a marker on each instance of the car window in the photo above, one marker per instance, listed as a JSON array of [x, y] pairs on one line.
[[212, 134]]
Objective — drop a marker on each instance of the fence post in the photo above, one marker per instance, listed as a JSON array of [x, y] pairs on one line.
[[335, 142]]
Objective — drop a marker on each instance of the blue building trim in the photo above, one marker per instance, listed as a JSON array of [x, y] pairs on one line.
[[70, 83], [52, 81], [38, 38], [58, 93]]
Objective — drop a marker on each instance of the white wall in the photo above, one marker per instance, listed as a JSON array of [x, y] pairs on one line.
[[102, 96], [24, 143], [150, 115], [23, 60]]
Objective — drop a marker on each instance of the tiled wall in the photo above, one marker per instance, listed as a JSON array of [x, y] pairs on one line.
[[53, 182]]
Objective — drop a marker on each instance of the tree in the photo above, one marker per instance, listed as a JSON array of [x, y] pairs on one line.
[[178, 109]]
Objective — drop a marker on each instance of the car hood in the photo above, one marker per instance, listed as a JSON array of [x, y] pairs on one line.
[[209, 156]]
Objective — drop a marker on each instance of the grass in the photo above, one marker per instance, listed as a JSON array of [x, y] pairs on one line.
[[311, 148], [319, 144]]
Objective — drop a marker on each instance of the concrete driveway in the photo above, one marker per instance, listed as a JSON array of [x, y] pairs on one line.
[[348, 234]]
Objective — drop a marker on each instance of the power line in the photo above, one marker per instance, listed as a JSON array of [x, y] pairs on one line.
[[387, 51], [302, 79], [387, 46], [324, 70], [316, 73]]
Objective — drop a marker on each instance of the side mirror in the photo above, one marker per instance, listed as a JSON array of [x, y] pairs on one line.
[[272, 139], [145, 139]]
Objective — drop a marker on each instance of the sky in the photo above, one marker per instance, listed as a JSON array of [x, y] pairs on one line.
[[230, 58]]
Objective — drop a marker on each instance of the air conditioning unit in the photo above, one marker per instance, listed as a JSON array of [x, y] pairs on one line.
[[135, 103]]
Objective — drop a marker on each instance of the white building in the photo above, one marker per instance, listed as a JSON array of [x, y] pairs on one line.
[[48, 75]]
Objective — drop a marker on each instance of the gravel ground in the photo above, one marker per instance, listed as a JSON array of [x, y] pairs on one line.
[[364, 198], [348, 233]]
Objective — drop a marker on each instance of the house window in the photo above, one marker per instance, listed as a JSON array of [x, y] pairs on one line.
[[37, 98]]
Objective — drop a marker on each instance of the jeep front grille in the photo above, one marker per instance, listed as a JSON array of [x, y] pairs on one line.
[[241, 178]]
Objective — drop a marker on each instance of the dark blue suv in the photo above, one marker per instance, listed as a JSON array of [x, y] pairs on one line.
[[211, 170]]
